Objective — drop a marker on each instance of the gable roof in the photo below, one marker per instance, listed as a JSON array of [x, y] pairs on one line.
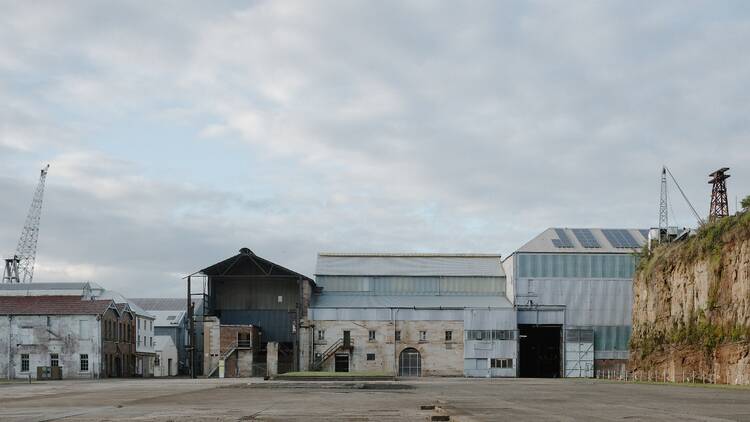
[[163, 303], [52, 305], [409, 264], [549, 241], [247, 264]]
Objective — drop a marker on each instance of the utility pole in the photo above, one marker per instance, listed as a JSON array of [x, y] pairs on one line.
[[719, 203], [20, 268]]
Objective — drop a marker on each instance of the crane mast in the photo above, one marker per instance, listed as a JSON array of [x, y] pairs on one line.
[[20, 268]]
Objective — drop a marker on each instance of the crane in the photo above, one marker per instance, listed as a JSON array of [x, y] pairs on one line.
[[20, 268]]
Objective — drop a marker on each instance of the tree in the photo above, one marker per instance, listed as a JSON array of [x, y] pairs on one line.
[[745, 203]]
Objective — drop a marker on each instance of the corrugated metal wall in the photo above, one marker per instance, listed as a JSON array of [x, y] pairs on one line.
[[275, 324], [409, 265], [246, 293], [398, 285]]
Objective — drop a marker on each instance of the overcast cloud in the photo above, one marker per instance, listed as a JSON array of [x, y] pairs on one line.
[[179, 133]]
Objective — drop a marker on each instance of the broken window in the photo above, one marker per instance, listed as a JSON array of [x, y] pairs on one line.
[[84, 362], [321, 335], [371, 336], [398, 335], [449, 336], [423, 336], [371, 356], [24, 362], [54, 359]]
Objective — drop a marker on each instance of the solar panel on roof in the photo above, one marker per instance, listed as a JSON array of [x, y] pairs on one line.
[[586, 238], [563, 241], [620, 238], [644, 233]]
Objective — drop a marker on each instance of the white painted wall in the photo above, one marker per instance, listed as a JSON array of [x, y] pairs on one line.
[[39, 336], [165, 350]]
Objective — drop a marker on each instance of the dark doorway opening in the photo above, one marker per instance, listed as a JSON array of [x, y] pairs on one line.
[[540, 351], [342, 362]]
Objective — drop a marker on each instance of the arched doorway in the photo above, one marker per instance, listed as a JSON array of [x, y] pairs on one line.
[[410, 363]]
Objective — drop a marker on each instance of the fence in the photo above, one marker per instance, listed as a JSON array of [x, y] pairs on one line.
[[681, 376]]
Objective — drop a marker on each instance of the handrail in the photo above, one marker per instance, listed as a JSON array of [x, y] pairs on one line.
[[328, 353]]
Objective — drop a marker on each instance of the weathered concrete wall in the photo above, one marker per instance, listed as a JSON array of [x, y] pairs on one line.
[[272, 358], [439, 357], [691, 310], [69, 336]]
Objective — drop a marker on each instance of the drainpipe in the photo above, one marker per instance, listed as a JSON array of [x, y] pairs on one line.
[[10, 339], [394, 317]]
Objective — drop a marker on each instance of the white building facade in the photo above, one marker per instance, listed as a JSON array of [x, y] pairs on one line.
[[52, 331]]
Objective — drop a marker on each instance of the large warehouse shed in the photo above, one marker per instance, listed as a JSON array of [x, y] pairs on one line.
[[573, 292], [413, 314]]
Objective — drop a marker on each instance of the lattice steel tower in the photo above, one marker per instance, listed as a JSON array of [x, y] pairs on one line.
[[20, 268], [719, 202], [663, 204]]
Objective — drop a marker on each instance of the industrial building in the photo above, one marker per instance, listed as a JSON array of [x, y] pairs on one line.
[[413, 314], [65, 337], [572, 289], [170, 319], [248, 297], [136, 362]]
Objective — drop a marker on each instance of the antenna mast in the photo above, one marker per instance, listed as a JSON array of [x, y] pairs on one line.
[[663, 212], [20, 268]]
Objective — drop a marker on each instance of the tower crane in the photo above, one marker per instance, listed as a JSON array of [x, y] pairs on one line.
[[20, 268]]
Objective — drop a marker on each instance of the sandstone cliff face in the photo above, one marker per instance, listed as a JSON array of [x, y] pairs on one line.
[[691, 306]]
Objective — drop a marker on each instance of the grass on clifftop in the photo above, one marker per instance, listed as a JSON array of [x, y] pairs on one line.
[[702, 328]]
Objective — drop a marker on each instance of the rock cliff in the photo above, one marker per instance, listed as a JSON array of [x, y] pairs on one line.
[[691, 306]]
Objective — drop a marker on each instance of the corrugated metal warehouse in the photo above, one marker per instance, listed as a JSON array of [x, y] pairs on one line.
[[413, 314], [573, 295]]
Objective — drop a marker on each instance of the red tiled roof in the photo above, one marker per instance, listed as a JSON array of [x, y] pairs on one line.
[[51, 305]]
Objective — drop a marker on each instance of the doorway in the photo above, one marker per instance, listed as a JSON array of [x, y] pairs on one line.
[[342, 362], [169, 367], [539, 351], [410, 363]]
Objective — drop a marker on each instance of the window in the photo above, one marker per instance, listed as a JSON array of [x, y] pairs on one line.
[[398, 335], [371, 336], [501, 363], [371, 356], [490, 335], [156, 360], [24, 362], [423, 336], [84, 362], [139, 341], [449, 336], [321, 335], [151, 340], [139, 323], [54, 359]]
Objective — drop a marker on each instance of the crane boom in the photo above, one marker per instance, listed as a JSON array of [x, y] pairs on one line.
[[695, 213], [20, 268]]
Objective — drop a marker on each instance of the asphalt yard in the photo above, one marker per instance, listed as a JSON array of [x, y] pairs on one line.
[[457, 399]]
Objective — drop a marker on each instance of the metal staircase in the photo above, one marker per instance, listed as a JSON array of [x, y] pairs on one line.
[[241, 344], [318, 363]]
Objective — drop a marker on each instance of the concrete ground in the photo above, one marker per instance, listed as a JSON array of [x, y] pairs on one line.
[[461, 399]]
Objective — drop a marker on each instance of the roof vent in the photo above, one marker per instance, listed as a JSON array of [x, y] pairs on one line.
[[246, 251]]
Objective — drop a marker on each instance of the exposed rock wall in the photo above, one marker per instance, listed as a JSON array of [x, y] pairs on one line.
[[691, 306]]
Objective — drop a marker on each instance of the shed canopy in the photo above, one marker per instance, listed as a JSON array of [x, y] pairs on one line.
[[247, 264]]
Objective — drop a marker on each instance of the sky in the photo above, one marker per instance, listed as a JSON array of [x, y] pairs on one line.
[[179, 132]]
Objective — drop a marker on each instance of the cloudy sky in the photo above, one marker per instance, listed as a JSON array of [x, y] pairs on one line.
[[179, 133]]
